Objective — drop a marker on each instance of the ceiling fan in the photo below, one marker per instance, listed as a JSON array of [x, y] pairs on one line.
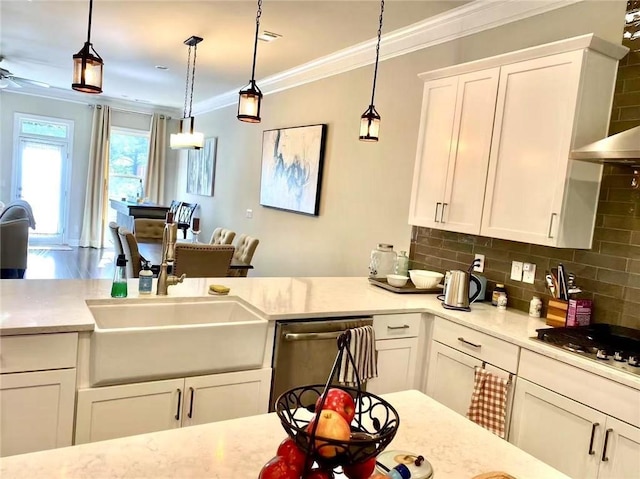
[[8, 79]]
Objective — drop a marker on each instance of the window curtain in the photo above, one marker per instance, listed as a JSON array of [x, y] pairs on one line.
[[154, 182], [95, 201]]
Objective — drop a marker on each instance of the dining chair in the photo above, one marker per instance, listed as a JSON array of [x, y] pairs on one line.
[[131, 252], [148, 230], [183, 216], [15, 221], [115, 238], [245, 249], [198, 260], [222, 236]]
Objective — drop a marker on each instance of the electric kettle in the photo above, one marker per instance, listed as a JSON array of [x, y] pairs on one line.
[[456, 294]]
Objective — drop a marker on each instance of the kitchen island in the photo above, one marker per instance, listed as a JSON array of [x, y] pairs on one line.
[[456, 448]]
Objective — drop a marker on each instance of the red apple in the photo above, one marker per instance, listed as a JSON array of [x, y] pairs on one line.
[[277, 468], [361, 470], [292, 454], [331, 425], [319, 474], [339, 401]]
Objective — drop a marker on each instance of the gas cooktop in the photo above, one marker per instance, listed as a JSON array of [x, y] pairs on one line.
[[614, 346]]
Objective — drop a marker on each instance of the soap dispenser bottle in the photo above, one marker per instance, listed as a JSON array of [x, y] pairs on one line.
[[119, 286], [145, 282]]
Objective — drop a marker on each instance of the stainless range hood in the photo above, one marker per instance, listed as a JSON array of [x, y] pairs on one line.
[[622, 148]]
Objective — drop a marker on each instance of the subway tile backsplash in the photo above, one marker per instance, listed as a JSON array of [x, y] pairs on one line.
[[608, 273]]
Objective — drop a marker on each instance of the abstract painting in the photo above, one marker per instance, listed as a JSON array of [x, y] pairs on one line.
[[292, 161], [201, 169]]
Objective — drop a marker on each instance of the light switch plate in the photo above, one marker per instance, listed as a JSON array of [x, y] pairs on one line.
[[249, 214], [479, 268], [529, 273], [516, 270]]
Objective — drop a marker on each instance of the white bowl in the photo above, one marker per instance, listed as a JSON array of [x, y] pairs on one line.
[[397, 280], [424, 279]]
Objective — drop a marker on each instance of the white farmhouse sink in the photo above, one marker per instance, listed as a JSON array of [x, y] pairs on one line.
[[155, 338]]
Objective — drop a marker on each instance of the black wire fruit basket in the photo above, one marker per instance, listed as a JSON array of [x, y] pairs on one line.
[[373, 427]]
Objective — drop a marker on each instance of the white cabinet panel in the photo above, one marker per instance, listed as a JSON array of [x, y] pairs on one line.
[[396, 366], [118, 411], [434, 147], [557, 430], [36, 410], [622, 452], [451, 377], [226, 396], [469, 158]]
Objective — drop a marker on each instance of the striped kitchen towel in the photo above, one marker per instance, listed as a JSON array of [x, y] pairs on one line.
[[362, 346], [488, 406]]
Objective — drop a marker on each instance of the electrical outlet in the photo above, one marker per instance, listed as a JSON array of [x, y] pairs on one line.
[[516, 270], [480, 266], [528, 273], [249, 214]]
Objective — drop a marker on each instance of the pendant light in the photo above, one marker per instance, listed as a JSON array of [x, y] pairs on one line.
[[370, 119], [251, 96], [187, 139], [87, 65]]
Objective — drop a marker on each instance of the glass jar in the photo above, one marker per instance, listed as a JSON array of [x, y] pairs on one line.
[[496, 293], [383, 261], [502, 301], [535, 307], [402, 264]]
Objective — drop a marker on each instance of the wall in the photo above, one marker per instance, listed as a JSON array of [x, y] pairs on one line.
[[609, 273], [81, 114], [366, 187]]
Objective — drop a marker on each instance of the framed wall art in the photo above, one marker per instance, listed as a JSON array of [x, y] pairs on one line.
[[292, 160], [201, 169]]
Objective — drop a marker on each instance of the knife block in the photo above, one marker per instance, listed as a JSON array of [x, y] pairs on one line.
[[557, 313]]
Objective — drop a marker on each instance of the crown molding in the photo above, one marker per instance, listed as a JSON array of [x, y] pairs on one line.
[[71, 96], [460, 22]]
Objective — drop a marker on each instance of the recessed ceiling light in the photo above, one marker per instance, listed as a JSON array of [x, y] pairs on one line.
[[161, 67], [267, 36]]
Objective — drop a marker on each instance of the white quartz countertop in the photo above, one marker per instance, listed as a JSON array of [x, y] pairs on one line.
[[46, 306], [456, 448]]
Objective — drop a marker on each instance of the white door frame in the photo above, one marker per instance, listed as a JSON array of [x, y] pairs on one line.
[[66, 162]]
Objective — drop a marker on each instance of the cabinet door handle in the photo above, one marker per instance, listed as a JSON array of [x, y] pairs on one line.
[[193, 393], [179, 404], [593, 433], [444, 205], [553, 215], [404, 326], [435, 216], [462, 340], [604, 448]]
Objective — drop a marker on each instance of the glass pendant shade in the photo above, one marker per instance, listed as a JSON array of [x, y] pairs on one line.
[[249, 103], [186, 139], [87, 70], [370, 125]]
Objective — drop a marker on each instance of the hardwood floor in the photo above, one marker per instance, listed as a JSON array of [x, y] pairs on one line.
[[76, 263]]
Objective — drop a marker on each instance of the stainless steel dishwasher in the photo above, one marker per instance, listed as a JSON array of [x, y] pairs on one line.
[[305, 351]]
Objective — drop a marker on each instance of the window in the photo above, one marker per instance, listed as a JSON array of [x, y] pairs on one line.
[[128, 159]]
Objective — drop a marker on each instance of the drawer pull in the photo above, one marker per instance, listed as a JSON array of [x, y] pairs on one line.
[[593, 433], [435, 216], [606, 441], [462, 340], [404, 326]]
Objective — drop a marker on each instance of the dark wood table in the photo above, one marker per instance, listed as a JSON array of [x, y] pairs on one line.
[[128, 211], [153, 252]]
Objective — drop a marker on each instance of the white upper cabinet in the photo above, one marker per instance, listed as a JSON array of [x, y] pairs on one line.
[[453, 151], [495, 137]]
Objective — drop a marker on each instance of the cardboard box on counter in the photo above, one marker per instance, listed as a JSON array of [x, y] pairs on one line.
[[579, 312]]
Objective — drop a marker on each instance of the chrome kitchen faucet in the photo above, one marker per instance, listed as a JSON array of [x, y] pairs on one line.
[[169, 237]]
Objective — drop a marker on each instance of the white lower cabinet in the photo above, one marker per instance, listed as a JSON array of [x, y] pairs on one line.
[[36, 410], [117, 411], [397, 352], [575, 439], [396, 366]]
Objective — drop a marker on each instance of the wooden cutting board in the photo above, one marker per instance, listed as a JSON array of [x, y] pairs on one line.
[[494, 475]]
